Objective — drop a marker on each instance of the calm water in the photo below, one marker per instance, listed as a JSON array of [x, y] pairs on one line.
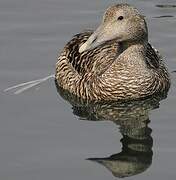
[[41, 138]]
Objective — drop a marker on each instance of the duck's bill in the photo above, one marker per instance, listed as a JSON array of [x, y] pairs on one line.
[[96, 39]]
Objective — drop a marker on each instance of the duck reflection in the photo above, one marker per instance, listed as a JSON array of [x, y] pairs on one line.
[[133, 120], [136, 154]]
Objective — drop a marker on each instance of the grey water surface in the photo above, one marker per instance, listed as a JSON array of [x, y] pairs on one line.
[[42, 136]]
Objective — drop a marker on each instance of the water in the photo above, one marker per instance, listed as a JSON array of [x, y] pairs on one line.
[[40, 137]]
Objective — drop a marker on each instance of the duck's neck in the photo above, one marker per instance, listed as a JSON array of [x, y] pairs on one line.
[[133, 55], [131, 44]]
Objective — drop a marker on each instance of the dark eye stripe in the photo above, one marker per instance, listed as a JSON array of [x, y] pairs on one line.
[[120, 17]]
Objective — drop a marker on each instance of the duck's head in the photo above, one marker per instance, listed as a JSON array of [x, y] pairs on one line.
[[121, 22]]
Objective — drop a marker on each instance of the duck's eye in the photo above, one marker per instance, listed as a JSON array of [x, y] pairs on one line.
[[120, 18]]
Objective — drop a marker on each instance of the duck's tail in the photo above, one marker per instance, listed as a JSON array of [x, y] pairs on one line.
[[19, 88]]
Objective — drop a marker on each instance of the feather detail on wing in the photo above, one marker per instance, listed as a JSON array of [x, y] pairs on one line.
[[153, 57], [93, 61]]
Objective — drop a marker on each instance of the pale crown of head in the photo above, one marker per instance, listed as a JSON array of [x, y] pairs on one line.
[[122, 22]]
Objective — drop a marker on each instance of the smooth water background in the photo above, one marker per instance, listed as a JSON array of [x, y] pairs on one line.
[[40, 138]]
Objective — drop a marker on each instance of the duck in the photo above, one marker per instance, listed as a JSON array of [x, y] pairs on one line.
[[114, 62]]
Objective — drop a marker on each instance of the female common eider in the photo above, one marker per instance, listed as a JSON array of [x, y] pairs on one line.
[[114, 62]]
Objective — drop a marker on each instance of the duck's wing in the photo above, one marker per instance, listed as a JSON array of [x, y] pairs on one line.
[[153, 57], [93, 60], [80, 62]]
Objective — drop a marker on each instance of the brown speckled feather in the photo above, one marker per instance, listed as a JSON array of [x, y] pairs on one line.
[[86, 62]]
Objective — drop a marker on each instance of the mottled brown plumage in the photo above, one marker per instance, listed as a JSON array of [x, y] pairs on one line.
[[114, 62]]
